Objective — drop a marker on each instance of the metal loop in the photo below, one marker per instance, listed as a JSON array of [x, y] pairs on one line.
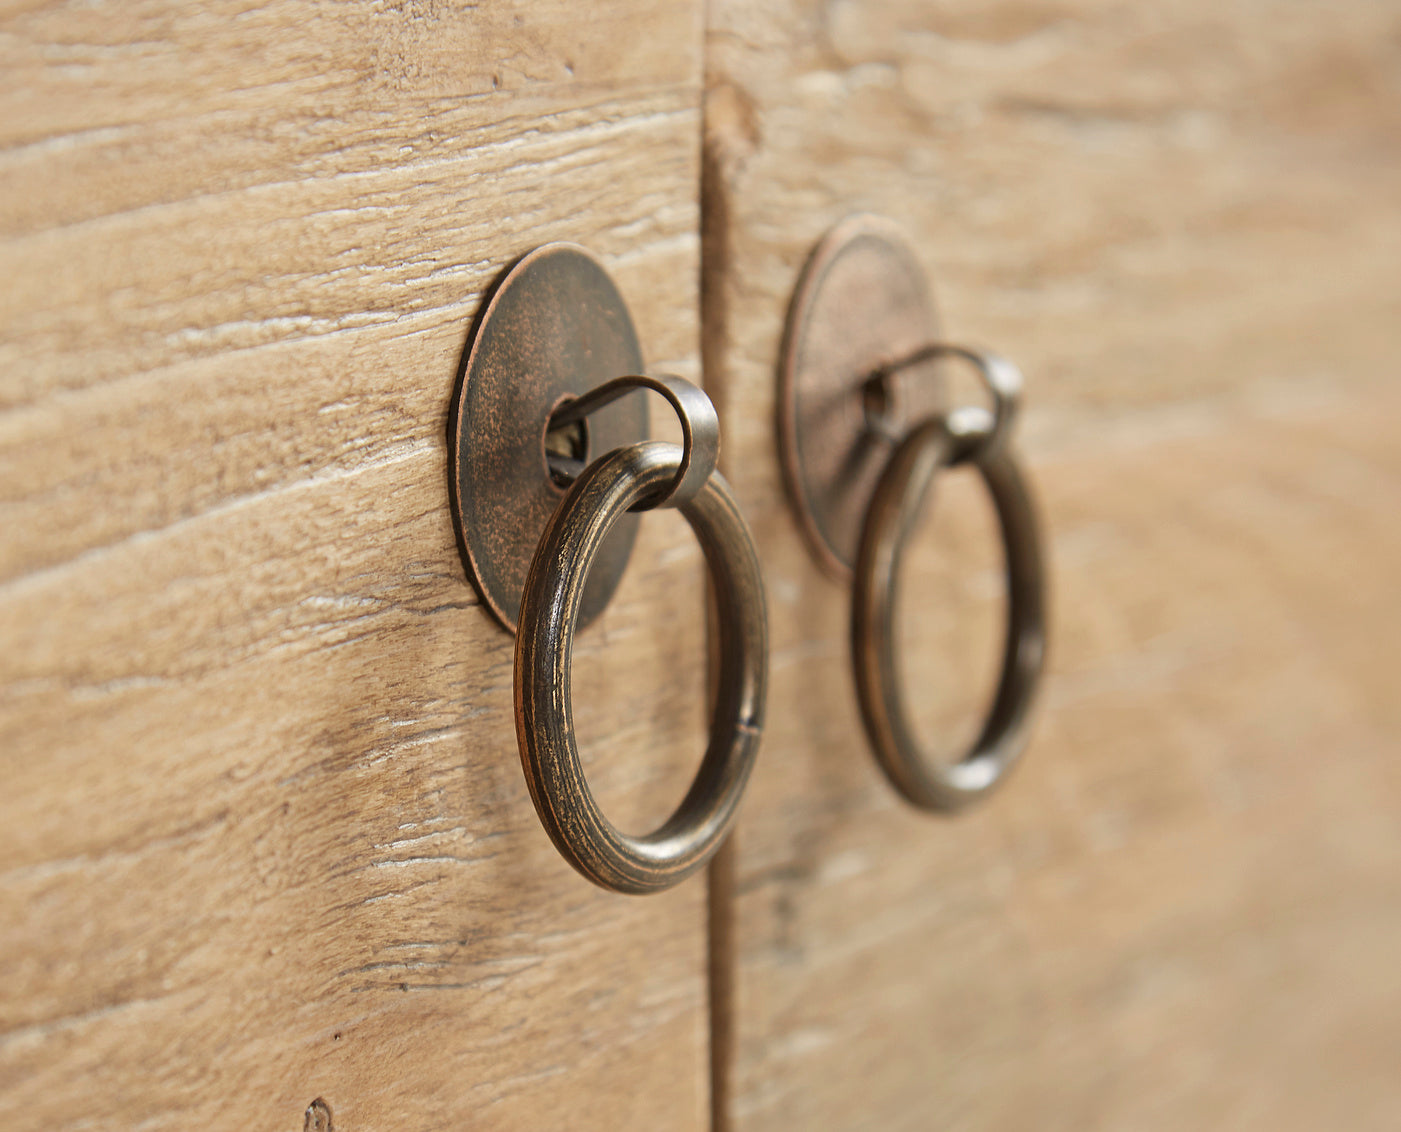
[[700, 431], [975, 430], [544, 647], [890, 520]]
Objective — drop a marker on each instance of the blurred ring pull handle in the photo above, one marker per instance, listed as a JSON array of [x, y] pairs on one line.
[[864, 428]]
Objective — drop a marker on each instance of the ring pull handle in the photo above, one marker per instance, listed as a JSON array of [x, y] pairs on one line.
[[965, 435], [861, 452], [544, 647], [539, 390]]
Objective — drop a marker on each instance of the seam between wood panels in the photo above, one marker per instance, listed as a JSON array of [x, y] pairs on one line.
[[720, 944]]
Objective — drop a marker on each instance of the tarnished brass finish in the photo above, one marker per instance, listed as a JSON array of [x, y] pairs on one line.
[[863, 429], [554, 327], [549, 457], [549, 614], [700, 432], [892, 517], [1004, 383], [861, 304]]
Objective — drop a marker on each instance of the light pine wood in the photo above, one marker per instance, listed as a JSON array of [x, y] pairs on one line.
[[1184, 911], [266, 834]]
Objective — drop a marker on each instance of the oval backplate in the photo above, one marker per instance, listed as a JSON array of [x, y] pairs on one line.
[[862, 302], [553, 327]]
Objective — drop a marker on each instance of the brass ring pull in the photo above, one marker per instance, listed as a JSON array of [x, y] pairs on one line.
[[544, 646], [975, 436], [545, 534]]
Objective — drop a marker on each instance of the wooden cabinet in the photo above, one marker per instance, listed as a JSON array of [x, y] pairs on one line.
[[267, 840]]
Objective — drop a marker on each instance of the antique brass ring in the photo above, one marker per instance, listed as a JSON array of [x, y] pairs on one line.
[[549, 614], [966, 435]]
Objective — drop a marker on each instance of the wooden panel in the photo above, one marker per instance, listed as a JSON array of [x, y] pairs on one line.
[[1184, 911], [267, 838]]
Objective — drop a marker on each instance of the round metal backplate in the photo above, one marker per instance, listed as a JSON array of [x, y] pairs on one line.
[[554, 327], [862, 303]]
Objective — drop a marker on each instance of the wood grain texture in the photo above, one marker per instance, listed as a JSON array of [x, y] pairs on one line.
[[267, 837], [1184, 909]]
